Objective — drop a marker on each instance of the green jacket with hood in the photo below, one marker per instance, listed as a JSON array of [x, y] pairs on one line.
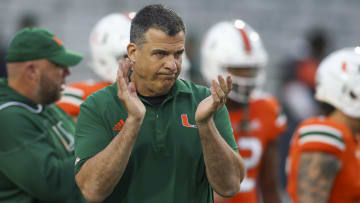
[[36, 151]]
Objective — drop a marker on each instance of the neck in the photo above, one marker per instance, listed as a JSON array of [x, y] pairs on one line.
[[140, 87], [234, 105], [352, 123]]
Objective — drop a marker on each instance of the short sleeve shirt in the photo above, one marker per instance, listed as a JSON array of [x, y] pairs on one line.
[[166, 163]]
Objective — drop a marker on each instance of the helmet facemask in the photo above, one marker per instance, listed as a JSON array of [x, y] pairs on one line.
[[245, 81]]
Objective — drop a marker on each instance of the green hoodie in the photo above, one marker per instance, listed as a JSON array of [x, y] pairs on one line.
[[36, 151]]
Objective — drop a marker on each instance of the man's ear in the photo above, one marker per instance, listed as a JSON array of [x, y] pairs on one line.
[[32, 71], [131, 50]]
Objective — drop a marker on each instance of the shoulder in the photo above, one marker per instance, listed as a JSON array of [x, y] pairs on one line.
[[267, 101], [267, 108], [9, 113], [18, 108], [19, 126], [322, 134], [103, 95], [322, 125], [189, 86], [198, 92], [101, 101]]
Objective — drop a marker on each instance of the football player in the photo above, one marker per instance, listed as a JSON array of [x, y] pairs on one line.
[[235, 48], [108, 42], [324, 158]]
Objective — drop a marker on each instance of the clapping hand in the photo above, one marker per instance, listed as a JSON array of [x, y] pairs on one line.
[[127, 91], [210, 105]]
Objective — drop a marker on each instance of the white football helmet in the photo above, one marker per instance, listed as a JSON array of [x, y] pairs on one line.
[[338, 81], [234, 44], [108, 44]]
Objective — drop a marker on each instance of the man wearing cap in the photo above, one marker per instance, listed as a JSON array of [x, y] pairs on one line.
[[36, 139]]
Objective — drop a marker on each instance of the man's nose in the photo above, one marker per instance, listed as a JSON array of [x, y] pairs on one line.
[[171, 63]]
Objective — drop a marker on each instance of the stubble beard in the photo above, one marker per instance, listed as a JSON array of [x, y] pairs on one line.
[[49, 92]]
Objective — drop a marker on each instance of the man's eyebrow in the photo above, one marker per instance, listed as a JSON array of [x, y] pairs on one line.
[[159, 51], [180, 51]]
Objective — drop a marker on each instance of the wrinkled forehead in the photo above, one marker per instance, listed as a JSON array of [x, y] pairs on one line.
[[159, 39]]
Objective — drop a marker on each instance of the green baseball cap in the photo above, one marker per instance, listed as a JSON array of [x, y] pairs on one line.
[[36, 43]]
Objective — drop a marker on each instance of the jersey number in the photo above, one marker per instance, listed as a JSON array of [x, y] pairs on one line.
[[253, 145]]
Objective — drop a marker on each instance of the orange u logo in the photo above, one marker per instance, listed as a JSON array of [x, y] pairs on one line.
[[185, 121]]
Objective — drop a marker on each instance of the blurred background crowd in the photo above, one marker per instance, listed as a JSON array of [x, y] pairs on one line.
[[297, 34]]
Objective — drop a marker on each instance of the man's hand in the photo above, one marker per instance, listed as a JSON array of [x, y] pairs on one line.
[[210, 105], [127, 92]]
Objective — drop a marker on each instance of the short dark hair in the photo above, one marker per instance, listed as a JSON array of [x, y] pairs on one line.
[[155, 16]]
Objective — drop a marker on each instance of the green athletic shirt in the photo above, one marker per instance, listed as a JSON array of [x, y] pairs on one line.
[[36, 151], [166, 164]]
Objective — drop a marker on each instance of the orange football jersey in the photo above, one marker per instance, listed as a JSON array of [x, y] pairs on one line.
[[266, 123], [325, 135], [76, 93]]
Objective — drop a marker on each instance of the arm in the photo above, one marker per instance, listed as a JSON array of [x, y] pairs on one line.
[[219, 199], [225, 168], [101, 173], [30, 162], [317, 172], [268, 177]]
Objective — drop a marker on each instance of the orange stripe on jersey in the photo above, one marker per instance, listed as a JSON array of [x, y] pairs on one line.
[[312, 135], [70, 101], [328, 136]]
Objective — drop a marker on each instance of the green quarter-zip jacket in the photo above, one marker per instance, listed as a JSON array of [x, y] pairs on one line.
[[36, 151], [166, 164]]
